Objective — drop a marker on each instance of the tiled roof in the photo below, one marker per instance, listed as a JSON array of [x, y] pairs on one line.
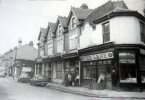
[[62, 20], [106, 9], [52, 26], [81, 13], [42, 33]]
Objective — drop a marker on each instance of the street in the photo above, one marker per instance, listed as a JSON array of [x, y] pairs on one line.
[[12, 90]]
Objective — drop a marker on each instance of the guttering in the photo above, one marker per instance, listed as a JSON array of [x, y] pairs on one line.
[[114, 14]]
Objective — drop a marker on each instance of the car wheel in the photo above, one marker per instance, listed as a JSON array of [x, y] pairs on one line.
[[43, 84]]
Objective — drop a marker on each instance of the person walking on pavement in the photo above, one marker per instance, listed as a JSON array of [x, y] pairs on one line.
[[114, 78], [73, 78]]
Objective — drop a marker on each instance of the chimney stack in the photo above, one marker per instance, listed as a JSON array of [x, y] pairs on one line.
[[19, 42], [31, 43], [84, 6]]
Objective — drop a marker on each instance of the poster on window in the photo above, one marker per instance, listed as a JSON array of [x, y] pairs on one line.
[[127, 58]]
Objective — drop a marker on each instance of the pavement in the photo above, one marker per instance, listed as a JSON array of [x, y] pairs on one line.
[[106, 93], [97, 93]]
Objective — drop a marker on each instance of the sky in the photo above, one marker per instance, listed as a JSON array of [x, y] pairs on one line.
[[23, 18]]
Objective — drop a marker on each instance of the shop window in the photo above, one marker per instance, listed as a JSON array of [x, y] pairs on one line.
[[87, 72], [142, 68], [127, 73], [59, 70], [126, 57]]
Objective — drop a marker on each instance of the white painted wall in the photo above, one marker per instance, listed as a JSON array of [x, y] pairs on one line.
[[123, 30]]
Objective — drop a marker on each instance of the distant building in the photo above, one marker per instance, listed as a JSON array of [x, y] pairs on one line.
[[19, 57]]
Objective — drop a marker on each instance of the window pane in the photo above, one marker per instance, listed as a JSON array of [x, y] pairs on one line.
[[106, 32]]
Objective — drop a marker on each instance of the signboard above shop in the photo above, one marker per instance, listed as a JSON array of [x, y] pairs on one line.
[[100, 56]]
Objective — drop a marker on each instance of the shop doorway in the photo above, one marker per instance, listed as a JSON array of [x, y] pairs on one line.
[[105, 68], [89, 75]]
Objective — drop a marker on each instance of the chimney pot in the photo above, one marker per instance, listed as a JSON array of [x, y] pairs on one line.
[[84, 6]]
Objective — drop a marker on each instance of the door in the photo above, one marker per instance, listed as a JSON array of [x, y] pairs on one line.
[[104, 67]]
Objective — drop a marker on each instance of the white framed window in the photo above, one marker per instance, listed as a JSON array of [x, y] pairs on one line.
[[106, 32], [59, 29], [73, 22], [50, 49], [59, 45], [74, 41]]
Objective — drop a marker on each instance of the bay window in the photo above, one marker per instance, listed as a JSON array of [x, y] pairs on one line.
[[142, 32]]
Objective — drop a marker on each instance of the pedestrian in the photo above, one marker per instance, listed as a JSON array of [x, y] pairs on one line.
[[114, 78], [73, 78], [101, 81], [67, 79]]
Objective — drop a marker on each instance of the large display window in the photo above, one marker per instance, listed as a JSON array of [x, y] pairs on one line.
[[127, 67], [142, 68]]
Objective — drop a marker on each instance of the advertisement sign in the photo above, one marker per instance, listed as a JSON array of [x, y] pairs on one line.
[[107, 55]]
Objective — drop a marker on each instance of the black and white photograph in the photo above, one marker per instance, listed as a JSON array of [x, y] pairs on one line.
[[72, 50]]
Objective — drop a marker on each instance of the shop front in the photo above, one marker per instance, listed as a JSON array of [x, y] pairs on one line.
[[72, 67], [57, 70], [93, 67], [39, 65]]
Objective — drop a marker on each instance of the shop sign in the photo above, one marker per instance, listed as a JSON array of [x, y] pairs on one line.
[[142, 51], [126, 57], [107, 55], [39, 60]]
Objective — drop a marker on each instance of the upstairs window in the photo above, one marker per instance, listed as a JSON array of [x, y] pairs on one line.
[[59, 30], [106, 32], [50, 34], [74, 41], [142, 32], [73, 23]]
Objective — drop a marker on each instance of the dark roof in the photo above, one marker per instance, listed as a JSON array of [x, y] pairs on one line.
[[62, 20], [81, 13], [51, 26], [106, 9], [43, 32]]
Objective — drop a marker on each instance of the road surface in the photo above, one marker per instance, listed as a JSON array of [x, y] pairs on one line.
[[10, 89]]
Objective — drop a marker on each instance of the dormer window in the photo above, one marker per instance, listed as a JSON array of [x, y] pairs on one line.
[[73, 23], [59, 30]]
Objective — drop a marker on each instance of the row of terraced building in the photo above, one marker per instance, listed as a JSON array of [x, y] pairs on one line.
[[93, 41]]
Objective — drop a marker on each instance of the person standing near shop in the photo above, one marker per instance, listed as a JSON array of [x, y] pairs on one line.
[[73, 77], [101, 81], [114, 78]]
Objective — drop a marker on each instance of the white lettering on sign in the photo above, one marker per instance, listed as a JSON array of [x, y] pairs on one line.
[[100, 56]]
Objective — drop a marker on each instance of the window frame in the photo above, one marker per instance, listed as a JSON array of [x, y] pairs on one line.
[[106, 34], [142, 31], [59, 29], [73, 22]]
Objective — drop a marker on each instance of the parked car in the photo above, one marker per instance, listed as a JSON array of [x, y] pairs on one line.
[[24, 77], [39, 80], [2, 74]]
